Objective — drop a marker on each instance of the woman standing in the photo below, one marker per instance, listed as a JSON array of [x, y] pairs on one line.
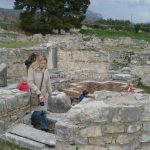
[[39, 81]]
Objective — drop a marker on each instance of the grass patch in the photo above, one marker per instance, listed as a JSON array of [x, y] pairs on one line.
[[17, 44], [4, 145], [116, 34], [121, 47], [145, 88]]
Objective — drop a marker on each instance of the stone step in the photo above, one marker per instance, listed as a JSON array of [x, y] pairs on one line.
[[22, 142], [33, 134]]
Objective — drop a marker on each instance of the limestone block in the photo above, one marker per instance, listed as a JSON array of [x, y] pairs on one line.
[[92, 147], [146, 80], [125, 139], [59, 103], [2, 125], [116, 128], [100, 140], [23, 98], [23, 142], [145, 147], [33, 134], [3, 75], [3, 108], [65, 131], [145, 138], [93, 111], [11, 102], [133, 128], [93, 131], [104, 95], [121, 76], [145, 117], [115, 148], [64, 146], [13, 118], [130, 114], [146, 126]]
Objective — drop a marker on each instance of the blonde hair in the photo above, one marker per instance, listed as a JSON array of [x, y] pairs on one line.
[[35, 65], [23, 79]]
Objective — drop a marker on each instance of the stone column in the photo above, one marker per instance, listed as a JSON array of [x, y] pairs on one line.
[[52, 58]]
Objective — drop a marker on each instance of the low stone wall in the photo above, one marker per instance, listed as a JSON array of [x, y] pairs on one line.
[[13, 106], [15, 58], [111, 121], [78, 57]]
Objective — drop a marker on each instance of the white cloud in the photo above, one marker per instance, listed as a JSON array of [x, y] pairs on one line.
[[138, 10], [7, 3]]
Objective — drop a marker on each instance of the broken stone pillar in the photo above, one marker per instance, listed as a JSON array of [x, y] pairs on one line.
[[52, 58], [3, 75]]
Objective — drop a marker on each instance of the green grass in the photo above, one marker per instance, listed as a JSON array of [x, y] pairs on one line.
[[4, 145], [121, 47], [145, 88], [116, 34], [17, 44]]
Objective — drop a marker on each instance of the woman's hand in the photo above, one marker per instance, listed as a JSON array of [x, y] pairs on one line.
[[38, 92]]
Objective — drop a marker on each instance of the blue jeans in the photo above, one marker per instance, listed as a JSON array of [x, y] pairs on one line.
[[39, 117]]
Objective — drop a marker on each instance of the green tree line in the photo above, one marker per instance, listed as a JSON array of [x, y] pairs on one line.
[[119, 25], [42, 16]]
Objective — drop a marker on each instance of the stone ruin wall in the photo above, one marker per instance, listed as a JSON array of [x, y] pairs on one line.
[[75, 56], [14, 105], [99, 126], [15, 58], [108, 122], [78, 62]]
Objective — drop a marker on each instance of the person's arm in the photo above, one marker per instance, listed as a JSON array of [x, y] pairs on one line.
[[49, 87], [31, 81]]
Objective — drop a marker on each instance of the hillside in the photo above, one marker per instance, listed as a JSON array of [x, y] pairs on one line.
[[92, 16], [9, 14]]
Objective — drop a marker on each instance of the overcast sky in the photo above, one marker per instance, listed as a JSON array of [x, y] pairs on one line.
[[133, 10]]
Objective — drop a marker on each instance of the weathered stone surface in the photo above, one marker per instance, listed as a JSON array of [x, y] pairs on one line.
[[94, 131], [59, 103], [133, 128], [66, 131], [145, 147], [3, 75], [115, 148], [100, 140], [125, 139], [92, 147], [2, 125], [146, 80], [145, 138], [130, 114], [116, 128], [146, 126], [33, 134], [64, 146], [23, 142], [104, 95], [124, 77], [93, 111]]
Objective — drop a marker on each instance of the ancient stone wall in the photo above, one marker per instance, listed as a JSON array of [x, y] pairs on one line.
[[81, 62], [13, 106], [15, 58], [79, 57], [111, 121]]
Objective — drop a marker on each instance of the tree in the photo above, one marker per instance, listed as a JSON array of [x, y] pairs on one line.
[[42, 16]]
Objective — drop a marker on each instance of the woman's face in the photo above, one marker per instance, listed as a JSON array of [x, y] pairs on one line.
[[42, 64]]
